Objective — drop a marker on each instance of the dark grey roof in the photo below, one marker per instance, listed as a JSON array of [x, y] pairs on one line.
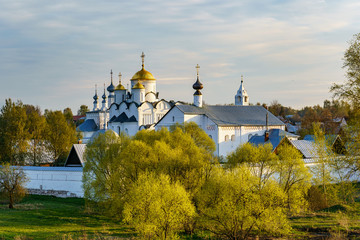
[[112, 118], [121, 118], [88, 126], [131, 119], [76, 155], [233, 115]]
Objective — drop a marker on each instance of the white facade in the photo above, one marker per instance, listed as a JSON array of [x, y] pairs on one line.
[[124, 110], [229, 136], [140, 108], [59, 181]]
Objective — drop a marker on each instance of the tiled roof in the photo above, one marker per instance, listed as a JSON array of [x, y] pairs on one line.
[[233, 115], [88, 126]]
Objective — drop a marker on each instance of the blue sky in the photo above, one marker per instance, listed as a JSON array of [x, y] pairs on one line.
[[54, 52]]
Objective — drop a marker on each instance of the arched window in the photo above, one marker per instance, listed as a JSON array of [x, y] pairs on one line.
[[246, 99], [119, 130], [210, 136], [173, 119], [226, 138], [233, 138], [126, 131]]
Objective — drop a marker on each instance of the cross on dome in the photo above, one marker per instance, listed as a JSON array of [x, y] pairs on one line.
[[197, 69], [142, 59]]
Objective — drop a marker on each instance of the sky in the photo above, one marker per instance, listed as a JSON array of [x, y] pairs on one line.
[[52, 53]]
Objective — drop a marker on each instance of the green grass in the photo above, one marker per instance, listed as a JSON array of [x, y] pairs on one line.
[[338, 219], [46, 217]]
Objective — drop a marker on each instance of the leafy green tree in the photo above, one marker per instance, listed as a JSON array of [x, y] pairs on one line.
[[232, 205], [156, 207], [173, 153], [160, 152], [261, 160], [322, 169], [68, 115], [36, 124], [12, 180], [59, 136], [199, 136], [82, 110], [350, 90], [104, 181], [294, 177], [14, 134]]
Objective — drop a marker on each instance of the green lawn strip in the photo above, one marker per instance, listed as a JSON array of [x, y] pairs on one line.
[[44, 217]]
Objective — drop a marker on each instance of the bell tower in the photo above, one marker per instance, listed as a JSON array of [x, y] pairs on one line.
[[241, 97]]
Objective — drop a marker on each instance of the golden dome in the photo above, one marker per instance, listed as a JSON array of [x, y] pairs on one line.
[[138, 86], [143, 75], [120, 87]]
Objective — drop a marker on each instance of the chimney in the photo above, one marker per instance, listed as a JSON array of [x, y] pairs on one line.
[[267, 127], [266, 135]]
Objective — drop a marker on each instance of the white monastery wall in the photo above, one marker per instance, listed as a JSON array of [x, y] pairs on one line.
[[175, 116], [58, 181]]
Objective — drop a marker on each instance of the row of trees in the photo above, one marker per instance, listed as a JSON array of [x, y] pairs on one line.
[[345, 104], [165, 181], [27, 137]]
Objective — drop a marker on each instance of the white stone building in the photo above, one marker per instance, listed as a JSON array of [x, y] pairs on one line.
[[125, 110], [140, 108]]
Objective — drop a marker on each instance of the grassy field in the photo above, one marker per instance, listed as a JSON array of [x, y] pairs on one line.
[[45, 217]]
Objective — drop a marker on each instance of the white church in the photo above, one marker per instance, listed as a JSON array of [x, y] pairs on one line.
[[131, 110]]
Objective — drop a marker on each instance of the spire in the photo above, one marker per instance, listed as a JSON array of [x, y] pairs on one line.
[[142, 59], [197, 86], [104, 95], [96, 97], [241, 97], [111, 87]]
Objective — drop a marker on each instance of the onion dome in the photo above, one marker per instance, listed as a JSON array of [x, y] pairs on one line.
[[120, 86], [143, 74], [197, 85], [104, 95], [111, 87], [138, 85], [96, 97]]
